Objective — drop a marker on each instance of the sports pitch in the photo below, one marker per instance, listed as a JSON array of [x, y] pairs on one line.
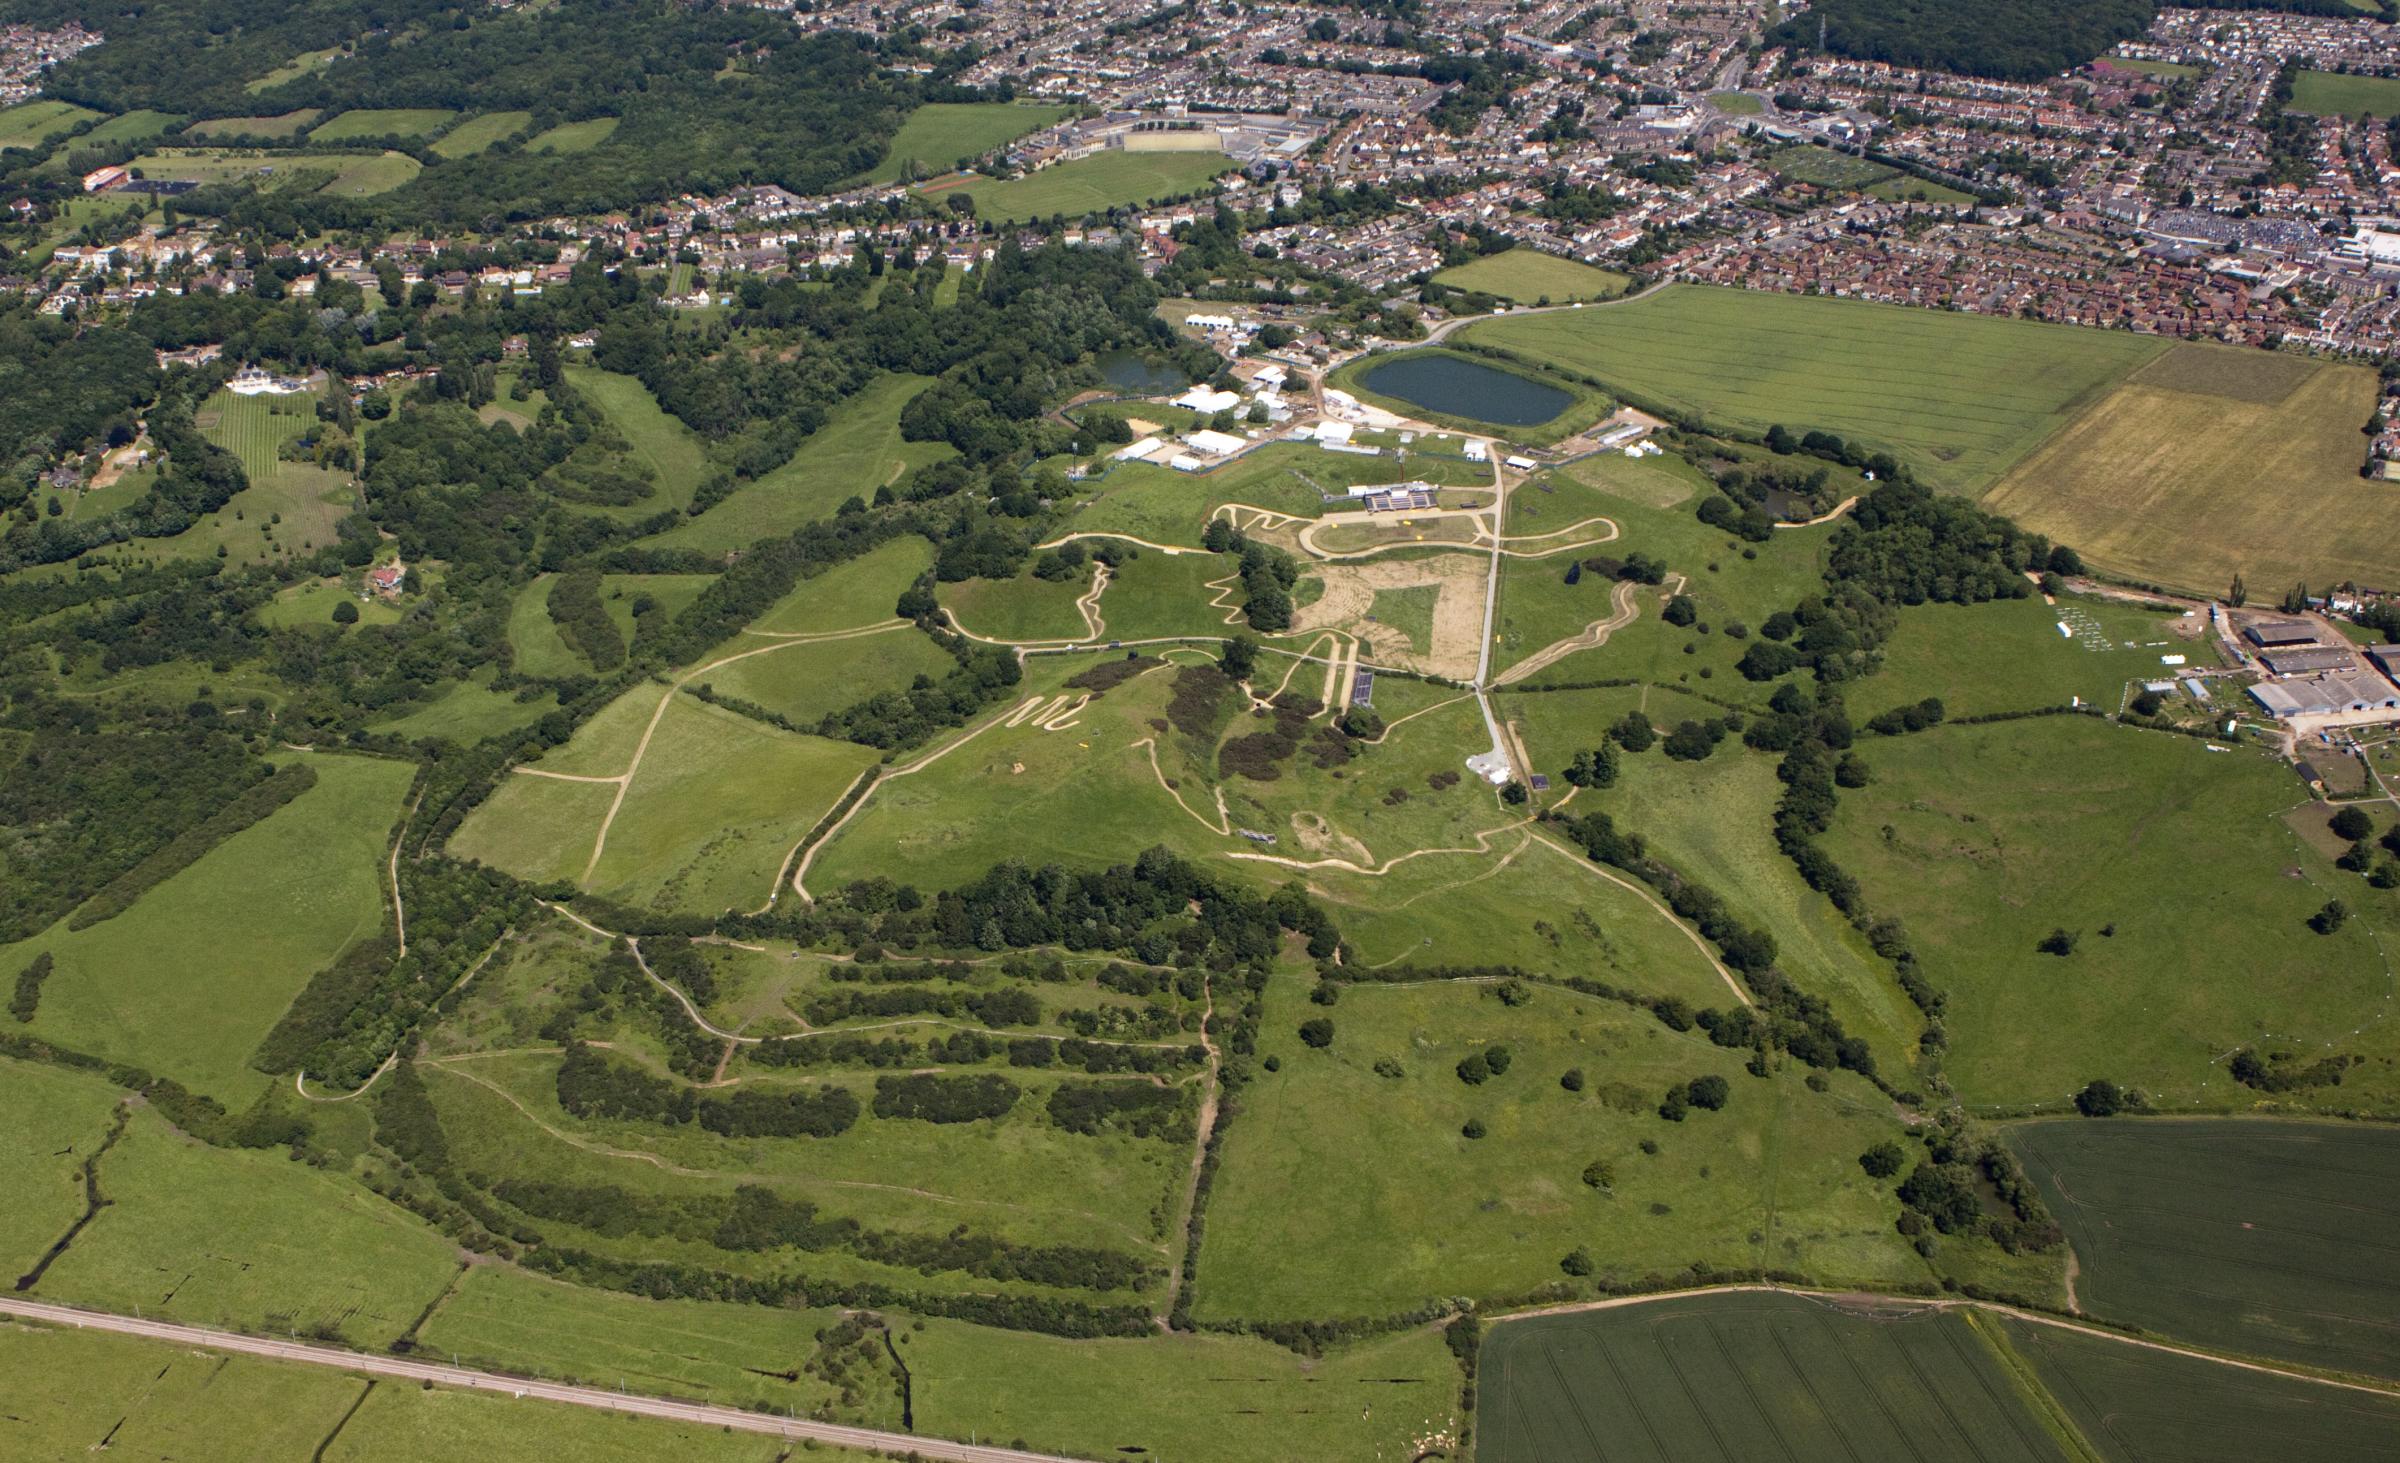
[[1087, 185]]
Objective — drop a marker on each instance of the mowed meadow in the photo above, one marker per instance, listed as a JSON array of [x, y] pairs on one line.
[[1961, 397]]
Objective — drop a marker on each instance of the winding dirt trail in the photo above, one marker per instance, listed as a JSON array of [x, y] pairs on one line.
[[1206, 1131], [1625, 610], [1643, 892]]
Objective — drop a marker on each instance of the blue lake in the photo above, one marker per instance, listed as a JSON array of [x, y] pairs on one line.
[[1463, 388]]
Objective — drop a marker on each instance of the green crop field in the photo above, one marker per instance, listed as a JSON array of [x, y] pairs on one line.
[[1528, 276], [2169, 861], [2161, 480], [2135, 1403], [187, 981], [248, 1240], [938, 136], [367, 123], [479, 132], [856, 452], [573, 136], [2326, 94], [33, 125], [1088, 185], [2259, 1237], [1735, 1377], [1960, 397], [1333, 1158]]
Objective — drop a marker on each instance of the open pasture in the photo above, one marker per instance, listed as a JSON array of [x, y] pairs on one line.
[[859, 592], [675, 457], [71, 1393], [136, 126], [1961, 397], [2258, 1237], [1155, 594], [1022, 608], [2212, 462], [50, 1121], [1156, 504], [479, 132], [1529, 276], [573, 136], [2188, 896], [1334, 1161], [32, 125], [1741, 1376], [186, 981], [938, 136], [289, 507], [2008, 655], [283, 125], [1088, 185], [468, 711], [367, 123], [804, 681], [2327, 94], [1825, 168], [533, 637], [248, 1240], [858, 450]]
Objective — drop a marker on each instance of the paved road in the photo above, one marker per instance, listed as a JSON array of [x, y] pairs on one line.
[[450, 1376]]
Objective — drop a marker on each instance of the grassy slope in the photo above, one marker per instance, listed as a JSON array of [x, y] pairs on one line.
[[803, 682], [50, 1120], [187, 981], [1962, 396], [1999, 833], [666, 445], [856, 593], [1023, 608], [226, 1237], [1345, 1192], [477, 133], [67, 1393], [858, 451]]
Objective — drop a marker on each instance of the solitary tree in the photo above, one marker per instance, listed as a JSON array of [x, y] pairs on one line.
[[2351, 824], [2239, 594], [1881, 1161], [2332, 917], [1317, 1033], [2057, 942]]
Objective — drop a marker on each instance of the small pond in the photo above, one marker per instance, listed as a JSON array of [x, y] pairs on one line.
[[1135, 375], [1463, 388]]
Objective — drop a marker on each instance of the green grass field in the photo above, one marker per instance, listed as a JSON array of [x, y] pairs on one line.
[[1985, 838], [573, 136], [857, 451], [2165, 70], [803, 682], [50, 1121], [313, 602], [1528, 276], [187, 981], [2007, 655], [533, 637], [287, 124], [1089, 185], [1736, 103], [939, 135], [2258, 1237], [2326, 94], [1827, 168], [362, 175], [675, 457], [468, 711], [1905, 189], [32, 125], [67, 1393], [479, 132], [1347, 1192], [305, 64], [2160, 480], [289, 507], [1158, 594], [1023, 608], [248, 1240], [133, 127], [2134, 1403], [860, 592], [1155, 503], [1736, 1377], [1962, 397], [373, 122]]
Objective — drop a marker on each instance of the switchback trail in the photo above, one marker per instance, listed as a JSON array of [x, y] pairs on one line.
[[732, 1419]]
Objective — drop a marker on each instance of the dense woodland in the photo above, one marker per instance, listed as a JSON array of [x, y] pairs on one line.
[[2014, 40]]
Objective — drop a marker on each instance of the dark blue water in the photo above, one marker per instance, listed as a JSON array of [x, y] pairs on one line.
[[1463, 388], [1134, 376]]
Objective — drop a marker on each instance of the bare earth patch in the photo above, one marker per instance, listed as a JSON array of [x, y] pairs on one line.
[[1457, 613]]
